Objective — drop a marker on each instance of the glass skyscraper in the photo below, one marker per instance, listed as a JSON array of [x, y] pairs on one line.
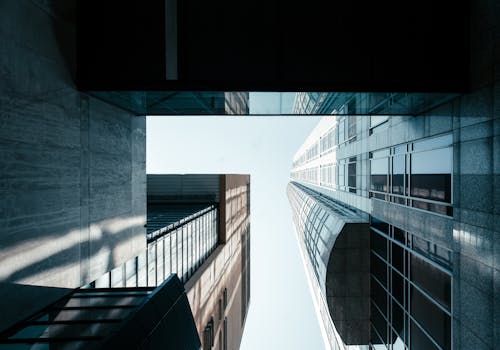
[[389, 215]]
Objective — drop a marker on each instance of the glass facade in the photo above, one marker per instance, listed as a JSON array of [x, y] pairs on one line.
[[239, 102], [310, 154], [181, 250], [178, 102], [348, 103], [341, 175], [309, 175], [410, 172], [411, 282], [401, 174], [410, 277], [417, 174], [318, 220]]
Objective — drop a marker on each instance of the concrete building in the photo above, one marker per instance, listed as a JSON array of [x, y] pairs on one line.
[[190, 287], [72, 181], [72, 178]]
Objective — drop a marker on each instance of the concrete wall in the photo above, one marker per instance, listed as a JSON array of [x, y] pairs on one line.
[[72, 168]]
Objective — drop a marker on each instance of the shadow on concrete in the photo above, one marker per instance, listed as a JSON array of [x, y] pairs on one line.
[[65, 257], [18, 301]]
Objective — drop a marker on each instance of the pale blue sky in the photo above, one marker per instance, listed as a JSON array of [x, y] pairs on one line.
[[281, 314]]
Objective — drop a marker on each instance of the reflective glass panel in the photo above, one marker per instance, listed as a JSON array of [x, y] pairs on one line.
[[398, 172], [398, 318], [431, 279], [159, 263], [379, 296], [380, 323], [398, 287], [378, 244], [168, 268], [352, 175], [375, 340], [173, 244], [141, 270], [152, 265], [379, 170], [117, 277], [419, 340], [434, 320], [435, 142], [379, 269], [398, 255], [431, 174], [380, 225]]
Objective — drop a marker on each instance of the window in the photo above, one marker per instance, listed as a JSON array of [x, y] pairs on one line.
[[434, 320], [398, 173], [328, 177], [341, 171], [327, 141], [405, 175], [351, 175], [432, 180], [379, 172], [208, 335], [432, 280], [351, 128], [410, 292], [220, 309], [307, 175], [341, 131], [419, 340], [311, 153], [225, 298], [379, 245]]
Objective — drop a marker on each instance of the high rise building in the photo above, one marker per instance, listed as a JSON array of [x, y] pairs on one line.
[[215, 269], [72, 137], [197, 235], [396, 222]]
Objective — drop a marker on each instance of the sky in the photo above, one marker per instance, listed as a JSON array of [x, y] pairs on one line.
[[281, 313]]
